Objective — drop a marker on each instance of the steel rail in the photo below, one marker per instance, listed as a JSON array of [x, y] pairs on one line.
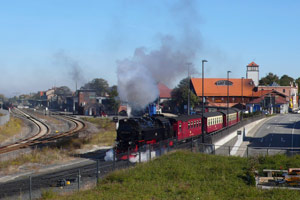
[[42, 137]]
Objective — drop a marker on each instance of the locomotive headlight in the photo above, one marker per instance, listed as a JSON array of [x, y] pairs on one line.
[[130, 143]]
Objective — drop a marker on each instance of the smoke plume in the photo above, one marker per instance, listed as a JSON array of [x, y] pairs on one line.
[[138, 76], [74, 67]]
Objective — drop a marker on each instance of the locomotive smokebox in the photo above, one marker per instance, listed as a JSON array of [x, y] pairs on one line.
[[152, 109]]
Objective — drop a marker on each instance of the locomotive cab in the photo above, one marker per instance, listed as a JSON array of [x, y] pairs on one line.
[[136, 132]]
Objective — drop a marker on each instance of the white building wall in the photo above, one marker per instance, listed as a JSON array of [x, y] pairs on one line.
[[254, 75]]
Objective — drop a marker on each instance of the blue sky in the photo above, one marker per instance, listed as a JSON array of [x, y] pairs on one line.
[[95, 34]]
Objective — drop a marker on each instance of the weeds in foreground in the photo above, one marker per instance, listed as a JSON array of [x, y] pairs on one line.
[[186, 175], [48, 194]]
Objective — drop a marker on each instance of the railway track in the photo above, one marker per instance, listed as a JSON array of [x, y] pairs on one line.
[[43, 135]]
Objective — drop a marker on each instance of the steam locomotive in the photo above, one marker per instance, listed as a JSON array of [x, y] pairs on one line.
[[134, 133]]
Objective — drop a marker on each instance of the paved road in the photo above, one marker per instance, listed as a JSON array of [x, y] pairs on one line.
[[281, 131]]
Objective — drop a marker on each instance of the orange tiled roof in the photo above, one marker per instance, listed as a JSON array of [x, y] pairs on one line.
[[164, 91], [122, 107], [211, 89], [252, 64]]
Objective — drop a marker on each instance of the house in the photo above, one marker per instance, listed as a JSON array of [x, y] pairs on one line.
[[216, 91], [269, 100], [291, 93], [87, 102], [164, 92]]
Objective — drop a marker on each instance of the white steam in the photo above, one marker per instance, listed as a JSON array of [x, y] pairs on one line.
[[135, 157], [109, 156]]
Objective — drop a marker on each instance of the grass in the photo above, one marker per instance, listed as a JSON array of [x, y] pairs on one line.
[[11, 128], [186, 175], [106, 135], [38, 156]]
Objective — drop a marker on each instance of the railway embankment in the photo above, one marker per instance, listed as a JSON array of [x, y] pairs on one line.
[[186, 175]]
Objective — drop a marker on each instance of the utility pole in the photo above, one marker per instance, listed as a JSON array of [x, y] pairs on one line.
[[202, 119], [228, 97], [189, 91]]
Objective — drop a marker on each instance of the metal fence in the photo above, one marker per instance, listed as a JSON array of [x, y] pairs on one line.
[[86, 176], [5, 118]]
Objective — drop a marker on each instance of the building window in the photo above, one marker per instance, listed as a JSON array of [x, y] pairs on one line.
[[283, 90], [223, 82]]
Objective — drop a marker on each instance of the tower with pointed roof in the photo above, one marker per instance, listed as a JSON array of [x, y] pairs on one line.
[[253, 72]]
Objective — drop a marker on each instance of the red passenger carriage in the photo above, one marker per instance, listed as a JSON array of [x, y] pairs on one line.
[[187, 126], [229, 116], [213, 121]]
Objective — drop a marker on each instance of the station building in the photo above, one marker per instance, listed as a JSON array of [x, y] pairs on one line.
[[245, 93], [240, 91]]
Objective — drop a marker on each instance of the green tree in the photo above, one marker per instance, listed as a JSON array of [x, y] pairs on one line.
[[269, 79], [100, 85], [286, 80], [114, 101], [298, 82], [35, 96], [63, 91], [2, 97], [180, 95]]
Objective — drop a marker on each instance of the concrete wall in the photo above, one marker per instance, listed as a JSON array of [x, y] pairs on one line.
[[4, 119]]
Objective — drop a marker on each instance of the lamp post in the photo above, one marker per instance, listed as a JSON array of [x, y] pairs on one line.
[[242, 97], [227, 97], [242, 90], [202, 119], [189, 91]]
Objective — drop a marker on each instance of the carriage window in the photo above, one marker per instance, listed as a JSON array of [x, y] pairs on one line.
[[194, 124], [197, 123], [180, 127], [189, 125]]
